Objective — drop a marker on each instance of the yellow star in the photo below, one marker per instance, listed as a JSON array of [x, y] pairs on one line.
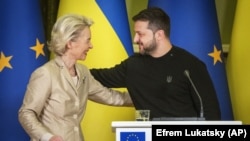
[[4, 61], [216, 55], [38, 48]]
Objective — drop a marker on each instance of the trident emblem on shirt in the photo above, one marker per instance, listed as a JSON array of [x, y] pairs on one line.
[[169, 79]]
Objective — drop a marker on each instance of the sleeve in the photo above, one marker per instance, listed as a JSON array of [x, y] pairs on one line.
[[101, 94], [205, 87], [46, 137], [114, 77], [38, 91]]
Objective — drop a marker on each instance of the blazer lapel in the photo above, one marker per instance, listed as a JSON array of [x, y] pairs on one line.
[[80, 75], [65, 73]]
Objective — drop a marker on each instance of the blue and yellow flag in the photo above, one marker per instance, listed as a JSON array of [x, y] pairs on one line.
[[112, 43], [194, 27], [22, 50], [238, 64], [133, 136]]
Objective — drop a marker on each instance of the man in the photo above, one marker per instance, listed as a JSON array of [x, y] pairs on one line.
[[157, 76]]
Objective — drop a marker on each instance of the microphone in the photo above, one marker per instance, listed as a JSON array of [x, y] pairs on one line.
[[186, 72], [201, 118]]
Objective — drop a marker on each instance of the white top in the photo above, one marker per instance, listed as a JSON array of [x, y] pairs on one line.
[[148, 124]]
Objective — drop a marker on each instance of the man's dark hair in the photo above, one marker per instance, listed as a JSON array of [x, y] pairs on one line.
[[157, 18]]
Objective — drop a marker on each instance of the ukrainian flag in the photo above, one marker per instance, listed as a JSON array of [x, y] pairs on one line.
[[22, 50], [238, 65], [112, 43]]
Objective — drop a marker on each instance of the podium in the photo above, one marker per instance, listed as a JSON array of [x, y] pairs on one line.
[[128, 128]]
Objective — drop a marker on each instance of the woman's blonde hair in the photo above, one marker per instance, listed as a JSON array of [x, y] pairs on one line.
[[67, 28]]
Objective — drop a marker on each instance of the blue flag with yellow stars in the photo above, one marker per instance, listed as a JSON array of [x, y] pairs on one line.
[[132, 136], [22, 50], [194, 27]]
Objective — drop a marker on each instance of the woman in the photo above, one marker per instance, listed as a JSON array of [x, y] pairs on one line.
[[57, 93]]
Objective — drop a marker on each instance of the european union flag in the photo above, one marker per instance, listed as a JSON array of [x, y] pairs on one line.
[[194, 27], [22, 50], [132, 136]]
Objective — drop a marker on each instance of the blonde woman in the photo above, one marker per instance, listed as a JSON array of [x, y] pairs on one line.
[[57, 93]]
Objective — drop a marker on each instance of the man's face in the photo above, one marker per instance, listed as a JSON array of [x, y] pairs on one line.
[[144, 37]]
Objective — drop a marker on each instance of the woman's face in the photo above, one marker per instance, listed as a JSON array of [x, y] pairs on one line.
[[80, 46]]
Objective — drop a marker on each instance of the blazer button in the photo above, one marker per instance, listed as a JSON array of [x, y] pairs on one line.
[[76, 129]]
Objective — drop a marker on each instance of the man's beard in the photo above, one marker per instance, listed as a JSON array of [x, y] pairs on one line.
[[150, 47]]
